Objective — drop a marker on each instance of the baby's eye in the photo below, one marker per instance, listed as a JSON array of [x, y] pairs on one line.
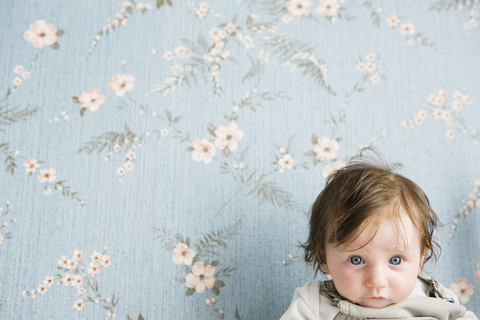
[[355, 260], [396, 260]]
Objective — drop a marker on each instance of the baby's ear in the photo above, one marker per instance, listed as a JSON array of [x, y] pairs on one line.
[[422, 258], [325, 267]]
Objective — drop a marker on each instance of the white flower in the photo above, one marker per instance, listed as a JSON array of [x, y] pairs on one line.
[[450, 134], [48, 281], [131, 155], [183, 254], [128, 165], [286, 18], [79, 303], [68, 279], [457, 105], [393, 20], [42, 288], [375, 78], [96, 256], [121, 84], [328, 7], [326, 148], [164, 132], [24, 293], [63, 261], [77, 281], [116, 148], [246, 40], [31, 165], [201, 277], [329, 169], [371, 56], [78, 255], [409, 42], [286, 162], [299, 7], [467, 100], [17, 81], [126, 4], [106, 261], [228, 137], [168, 55], [203, 150], [180, 51], [208, 301], [407, 28], [93, 268], [41, 34], [230, 28], [92, 100], [47, 175], [361, 66], [139, 5], [120, 171], [81, 290], [71, 264], [26, 74], [370, 66], [18, 69]]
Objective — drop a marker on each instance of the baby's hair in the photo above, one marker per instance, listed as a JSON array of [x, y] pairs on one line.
[[357, 193]]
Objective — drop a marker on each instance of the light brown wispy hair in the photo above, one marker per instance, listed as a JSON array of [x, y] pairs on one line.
[[355, 195]]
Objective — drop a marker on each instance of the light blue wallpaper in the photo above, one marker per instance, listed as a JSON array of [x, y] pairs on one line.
[[160, 158]]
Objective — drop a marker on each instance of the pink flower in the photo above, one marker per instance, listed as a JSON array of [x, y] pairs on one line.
[[121, 84], [41, 34], [47, 175], [91, 100], [228, 136], [183, 254], [462, 289], [31, 165], [326, 148], [299, 7], [329, 169], [201, 277], [478, 272], [203, 150]]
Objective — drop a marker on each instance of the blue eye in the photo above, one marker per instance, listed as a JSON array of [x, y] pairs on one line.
[[396, 261], [355, 260]]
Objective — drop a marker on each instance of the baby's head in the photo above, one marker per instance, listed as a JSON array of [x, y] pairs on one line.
[[372, 230]]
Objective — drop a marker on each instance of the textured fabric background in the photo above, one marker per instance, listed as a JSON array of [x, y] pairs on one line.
[[131, 128]]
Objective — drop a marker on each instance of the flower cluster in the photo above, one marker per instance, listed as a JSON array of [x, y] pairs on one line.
[[120, 19], [130, 157], [200, 11], [75, 275], [472, 203], [23, 73], [5, 224], [299, 8], [407, 29], [227, 138], [442, 109], [328, 7], [46, 175], [41, 34], [473, 16], [369, 66], [92, 100]]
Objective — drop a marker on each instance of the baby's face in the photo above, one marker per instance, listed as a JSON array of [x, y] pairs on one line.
[[382, 272]]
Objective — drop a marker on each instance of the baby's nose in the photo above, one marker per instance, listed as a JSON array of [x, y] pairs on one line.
[[376, 278]]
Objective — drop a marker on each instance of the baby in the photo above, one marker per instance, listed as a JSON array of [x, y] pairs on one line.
[[372, 230]]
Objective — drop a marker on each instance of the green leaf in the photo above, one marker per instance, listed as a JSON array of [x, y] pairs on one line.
[[214, 263], [190, 291], [55, 46], [74, 100], [179, 238], [128, 317], [60, 32], [219, 284], [216, 291], [82, 111], [140, 317], [169, 2], [168, 115], [159, 3], [314, 139]]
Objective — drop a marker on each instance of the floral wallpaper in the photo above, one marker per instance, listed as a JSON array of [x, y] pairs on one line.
[[160, 157]]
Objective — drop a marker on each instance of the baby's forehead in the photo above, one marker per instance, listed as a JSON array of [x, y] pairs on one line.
[[386, 235]]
